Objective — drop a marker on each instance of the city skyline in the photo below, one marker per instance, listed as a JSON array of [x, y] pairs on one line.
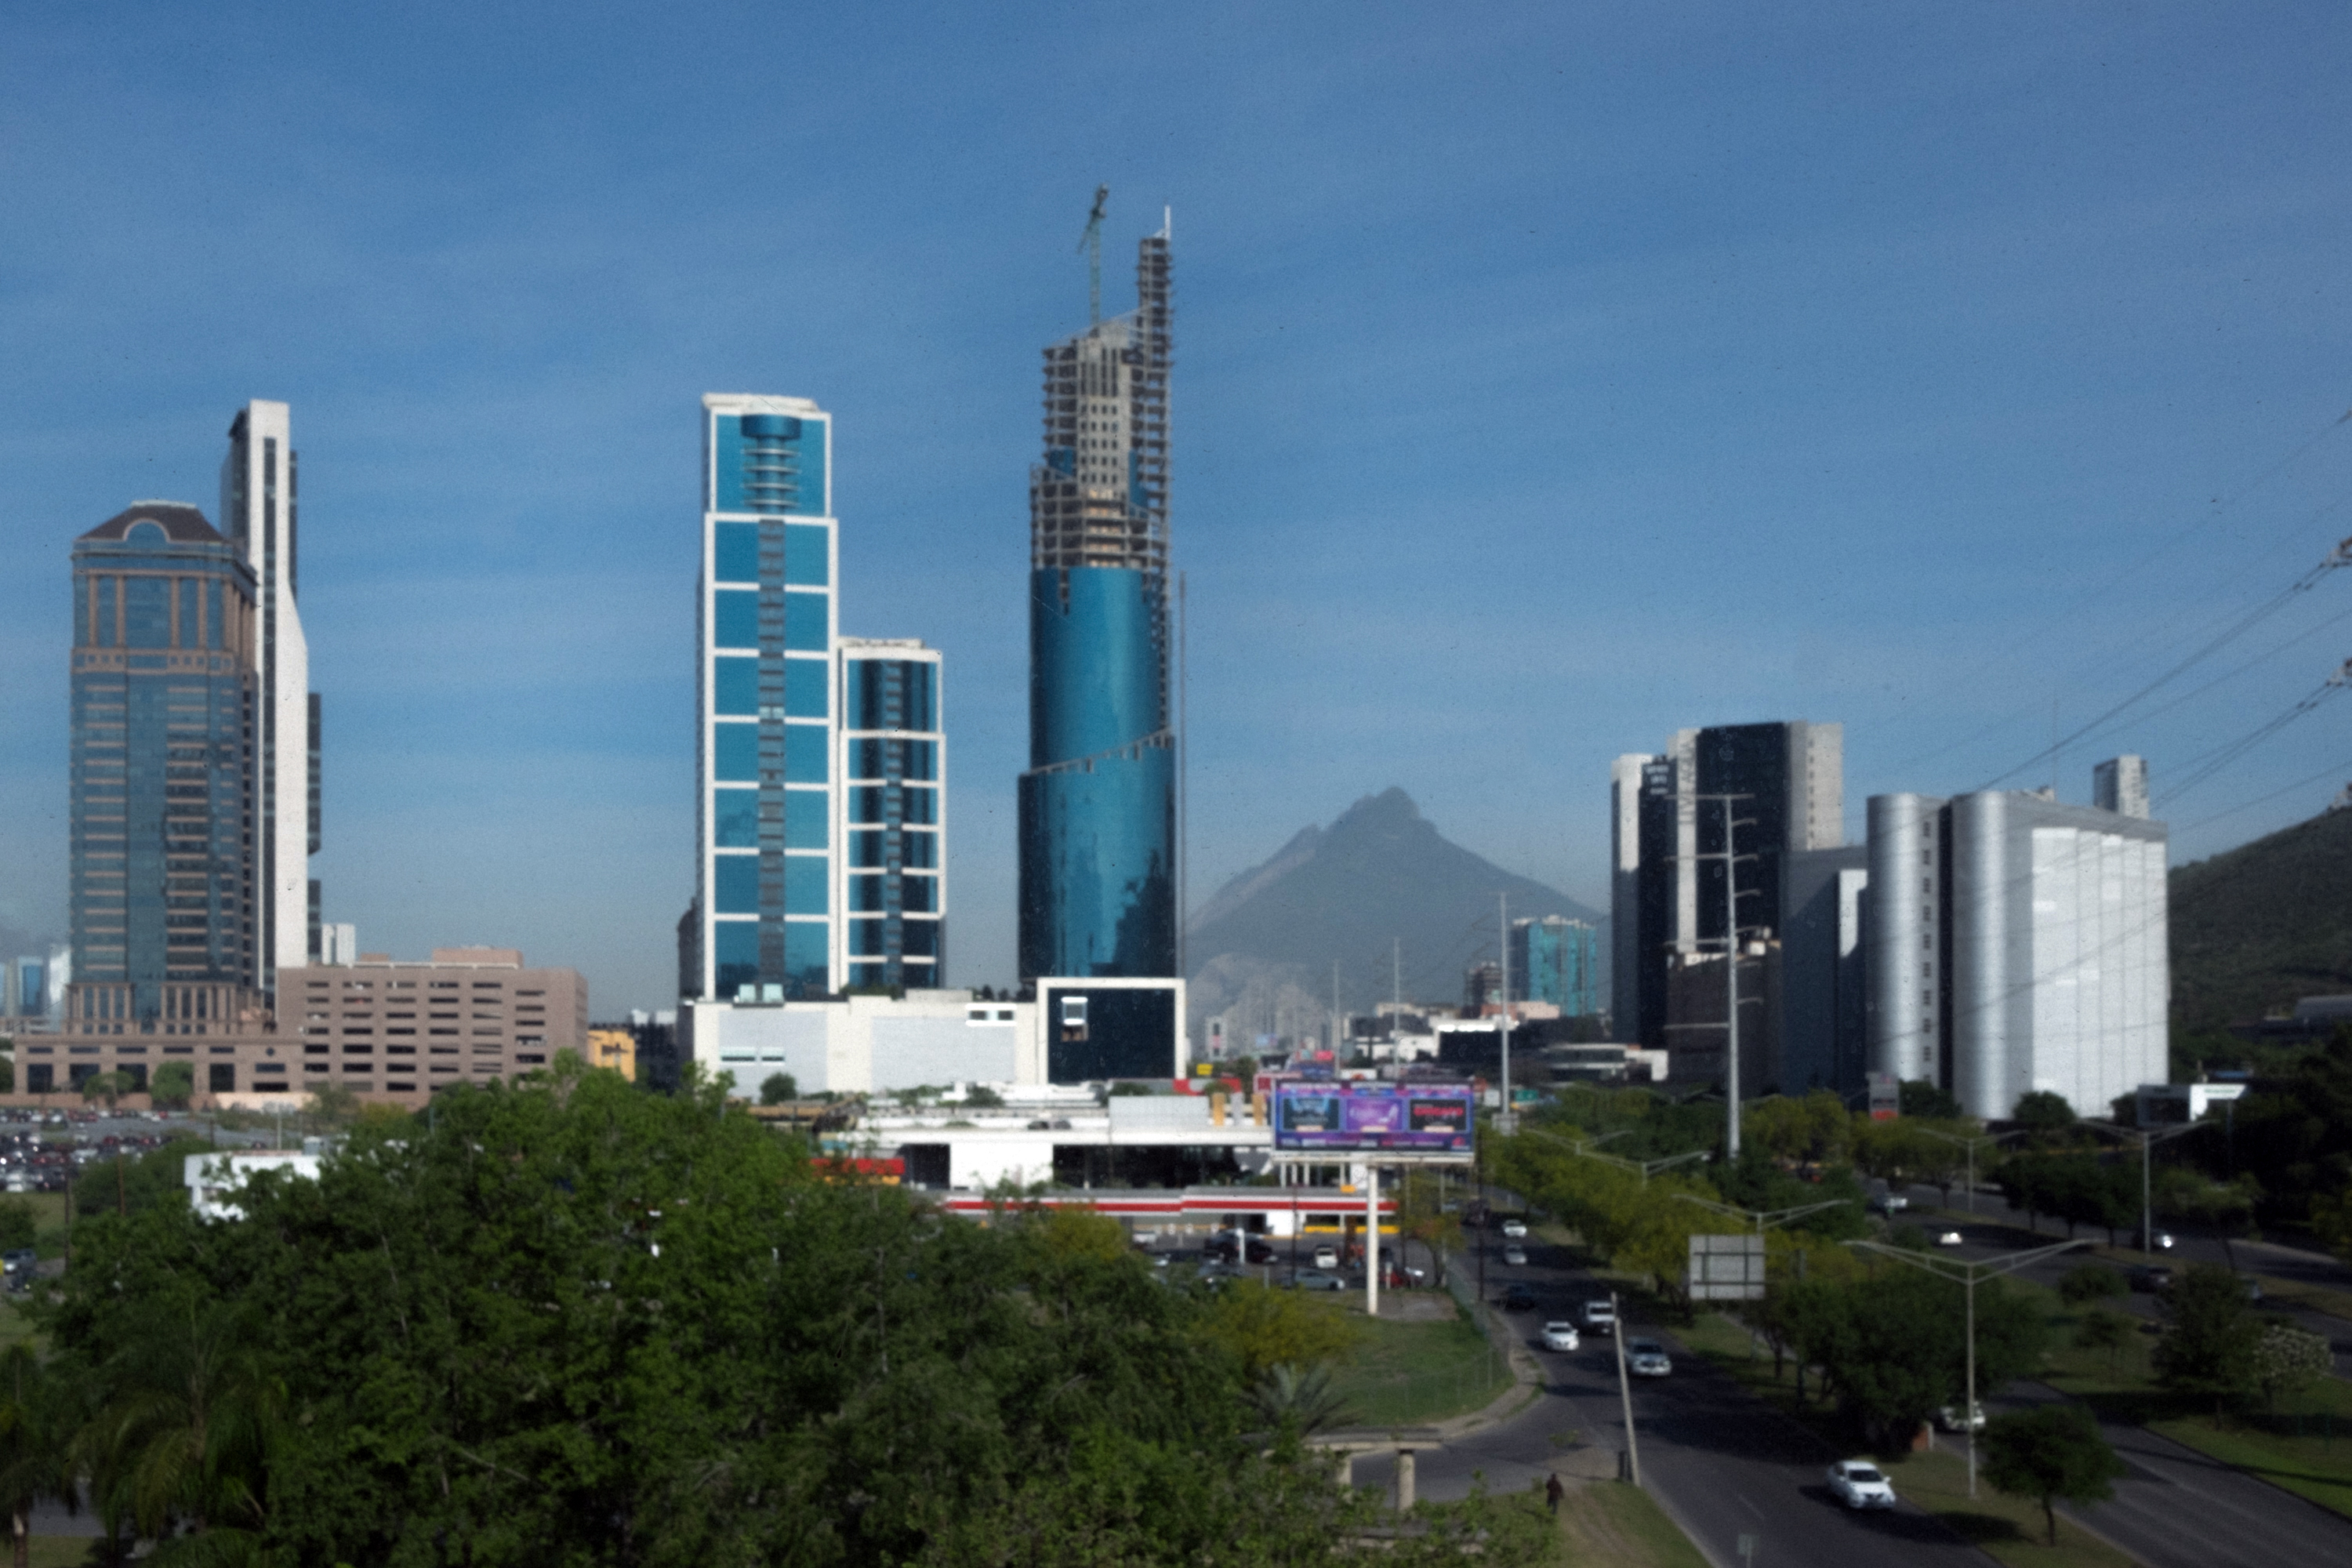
[[1545, 390]]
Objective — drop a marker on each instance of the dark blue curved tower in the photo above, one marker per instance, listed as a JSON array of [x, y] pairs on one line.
[[1099, 802]]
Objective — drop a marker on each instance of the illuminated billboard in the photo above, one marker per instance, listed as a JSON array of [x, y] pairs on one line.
[[1344, 1117]]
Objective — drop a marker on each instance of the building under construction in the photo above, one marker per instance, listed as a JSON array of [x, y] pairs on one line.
[[1098, 800]]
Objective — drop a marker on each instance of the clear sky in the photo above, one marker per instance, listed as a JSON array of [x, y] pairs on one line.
[[1549, 378]]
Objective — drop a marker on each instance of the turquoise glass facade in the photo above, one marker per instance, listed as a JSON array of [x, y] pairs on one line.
[[894, 751], [1557, 960], [767, 861]]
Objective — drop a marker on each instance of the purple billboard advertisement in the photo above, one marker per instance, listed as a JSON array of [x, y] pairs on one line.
[[1427, 1118]]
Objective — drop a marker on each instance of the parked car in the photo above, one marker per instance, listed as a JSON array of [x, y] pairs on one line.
[[1647, 1358], [1560, 1336], [1950, 1238], [1857, 1483], [1327, 1257], [1948, 1419], [1314, 1279], [2154, 1279], [1600, 1317], [1516, 1229], [1518, 1298], [1516, 1257]]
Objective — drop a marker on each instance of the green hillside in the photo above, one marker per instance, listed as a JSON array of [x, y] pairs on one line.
[[2268, 922]]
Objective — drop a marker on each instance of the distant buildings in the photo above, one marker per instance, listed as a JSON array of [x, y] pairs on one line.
[[2017, 944], [820, 858], [2120, 785], [1097, 805], [1556, 960]]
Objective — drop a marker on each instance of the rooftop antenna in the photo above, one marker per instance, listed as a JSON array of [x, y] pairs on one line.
[[1091, 243]]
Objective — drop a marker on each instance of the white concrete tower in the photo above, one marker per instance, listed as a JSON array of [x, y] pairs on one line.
[[257, 513]]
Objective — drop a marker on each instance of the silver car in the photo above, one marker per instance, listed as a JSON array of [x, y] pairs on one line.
[[1858, 1483], [1647, 1358]]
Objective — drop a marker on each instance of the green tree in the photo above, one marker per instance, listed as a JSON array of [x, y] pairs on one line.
[[779, 1088], [1893, 1346], [2052, 1454], [1926, 1099], [19, 1226], [1298, 1401], [980, 1097], [35, 1427], [2043, 1110], [2104, 1328], [2208, 1341], [106, 1086], [2288, 1360], [1263, 1328], [7, 1071], [190, 1418], [2089, 1282], [174, 1084], [130, 1184]]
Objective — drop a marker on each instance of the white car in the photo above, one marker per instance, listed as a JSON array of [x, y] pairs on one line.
[[1560, 1337], [1600, 1317], [1948, 1419], [1516, 1229], [1857, 1483], [1950, 1238], [1516, 1256], [1327, 1257], [1647, 1358]]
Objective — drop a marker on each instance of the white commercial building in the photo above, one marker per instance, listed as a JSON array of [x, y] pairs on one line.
[[2016, 944]]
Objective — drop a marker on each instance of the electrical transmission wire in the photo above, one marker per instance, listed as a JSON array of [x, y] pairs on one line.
[[2206, 764], [2339, 769], [2338, 557]]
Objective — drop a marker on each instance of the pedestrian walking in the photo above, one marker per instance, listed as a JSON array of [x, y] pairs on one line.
[[1553, 1493]]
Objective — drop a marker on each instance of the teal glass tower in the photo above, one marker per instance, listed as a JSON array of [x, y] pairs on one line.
[[767, 731], [1097, 805], [162, 797]]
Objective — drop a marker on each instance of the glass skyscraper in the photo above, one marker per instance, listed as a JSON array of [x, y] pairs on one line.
[[1098, 804], [163, 800], [819, 818]]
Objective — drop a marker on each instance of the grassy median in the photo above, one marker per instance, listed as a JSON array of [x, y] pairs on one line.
[[1612, 1525], [1410, 1375]]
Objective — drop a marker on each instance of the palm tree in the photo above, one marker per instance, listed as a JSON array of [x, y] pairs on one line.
[[34, 1462], [187, 1426]]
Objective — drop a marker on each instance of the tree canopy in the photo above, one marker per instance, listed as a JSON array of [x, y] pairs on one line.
[[2052, 1454]]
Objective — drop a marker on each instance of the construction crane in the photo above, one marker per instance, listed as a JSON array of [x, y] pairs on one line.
[[1091, 243]]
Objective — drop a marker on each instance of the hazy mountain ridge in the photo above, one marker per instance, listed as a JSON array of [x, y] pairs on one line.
[[2255, 928], [1379, 875]]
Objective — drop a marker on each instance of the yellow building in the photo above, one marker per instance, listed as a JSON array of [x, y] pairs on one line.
[[614, 1048]]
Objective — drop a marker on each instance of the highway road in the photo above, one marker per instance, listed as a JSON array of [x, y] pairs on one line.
[[1721, 1462]]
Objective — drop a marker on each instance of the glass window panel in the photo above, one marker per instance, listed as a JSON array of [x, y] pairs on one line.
[[808, 955], [736, 553], [918, 895], [922, 759], [866, 938], [865, 758], [737, 954], [736, 686], [922, 704], [147, 611], [866, 894], [804, 820], [919, 939], [805, 884], [865, 804], [806, 681], [735, 818], [807, 627], [805, 759], [738, 889], [738, 752], [807, 555], [865, 849], [918, 804], [735, 617], [919, 850]]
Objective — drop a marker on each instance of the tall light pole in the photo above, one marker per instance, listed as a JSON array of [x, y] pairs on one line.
[[1644, 1169], [1965, 1276], [2149, 1137], [1764, 1218], [1508, 1121], [1970, 1145], [1731, 858]]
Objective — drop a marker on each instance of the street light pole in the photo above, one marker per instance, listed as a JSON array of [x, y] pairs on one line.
[[1970, 1145], [1966, 1275], [2149, 1137]]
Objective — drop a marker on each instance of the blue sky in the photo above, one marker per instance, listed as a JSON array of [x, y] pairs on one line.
[[1549, 378]]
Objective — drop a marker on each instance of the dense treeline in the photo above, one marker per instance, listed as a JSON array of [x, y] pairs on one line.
[[572, 1322]]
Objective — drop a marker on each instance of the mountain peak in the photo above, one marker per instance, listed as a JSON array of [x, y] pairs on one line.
[[1390, 809]]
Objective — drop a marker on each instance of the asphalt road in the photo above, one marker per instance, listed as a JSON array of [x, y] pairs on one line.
[[1721, 1462]]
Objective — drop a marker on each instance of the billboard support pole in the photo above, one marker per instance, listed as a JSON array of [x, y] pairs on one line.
[[1373, 1241]]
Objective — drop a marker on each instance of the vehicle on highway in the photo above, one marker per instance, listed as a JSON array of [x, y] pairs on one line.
[[1647, 1358], [1948, 1419], [1327, 1257], [1312, 1279], [1518, 1298], [1890, 1203], [2163, 1241], [1515, 1229], [1600, 1317], [1857, 1483], [1950, 1238], [2154, 1279], [1516, 1256], [1560, 1336]]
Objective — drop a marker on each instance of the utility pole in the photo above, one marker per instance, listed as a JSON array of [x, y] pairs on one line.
[[1508, 1122], [1336, 1026], [1396, 1004], [1624, 1384]]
